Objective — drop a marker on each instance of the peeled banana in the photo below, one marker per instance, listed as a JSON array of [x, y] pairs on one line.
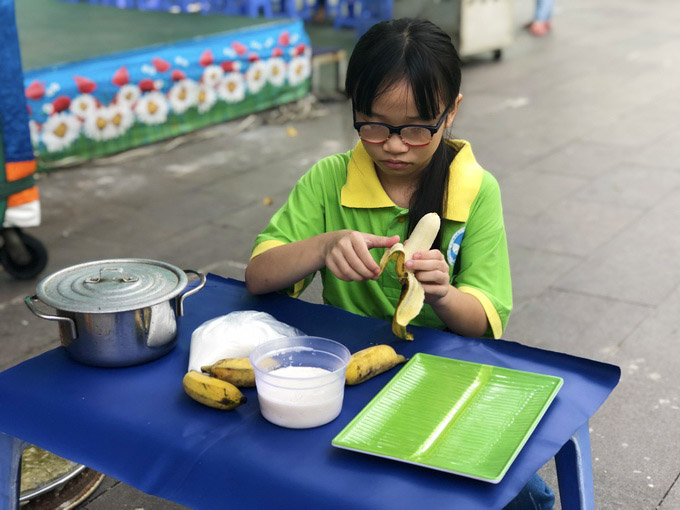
[[370, 362], [412, 294], [211, 391], [237, 371]]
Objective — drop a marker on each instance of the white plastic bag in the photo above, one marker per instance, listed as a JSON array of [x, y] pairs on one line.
[[234, 335]]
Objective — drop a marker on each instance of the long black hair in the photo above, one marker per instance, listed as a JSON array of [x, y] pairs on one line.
[[419, 52]]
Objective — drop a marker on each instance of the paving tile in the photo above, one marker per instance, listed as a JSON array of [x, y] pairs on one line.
[[581, 325], [581, 158], [662, 153], [640, 265], [631, 185], [570, 226], [635, 435], [672, 499], [530, 193], [534, 271]]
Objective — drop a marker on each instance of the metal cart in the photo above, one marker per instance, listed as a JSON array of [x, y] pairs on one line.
[[22, 255], [476, 26]]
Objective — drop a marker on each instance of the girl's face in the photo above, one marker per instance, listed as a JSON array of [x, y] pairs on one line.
[[397, 107]]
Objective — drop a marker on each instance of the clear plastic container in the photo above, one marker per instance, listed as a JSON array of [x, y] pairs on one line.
[[300, 380]]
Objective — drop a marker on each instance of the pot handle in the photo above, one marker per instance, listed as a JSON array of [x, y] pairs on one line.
[[30, 303], [181, 297]]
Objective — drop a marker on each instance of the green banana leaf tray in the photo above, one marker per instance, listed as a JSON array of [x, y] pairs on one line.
[[451, 415]]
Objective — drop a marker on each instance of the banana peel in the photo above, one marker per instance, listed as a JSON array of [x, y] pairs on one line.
[[412, 295]]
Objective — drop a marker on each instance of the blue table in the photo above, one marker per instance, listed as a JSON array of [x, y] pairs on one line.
[[137, 425]]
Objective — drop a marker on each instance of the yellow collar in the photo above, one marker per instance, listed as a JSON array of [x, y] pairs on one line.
[[363, 188]]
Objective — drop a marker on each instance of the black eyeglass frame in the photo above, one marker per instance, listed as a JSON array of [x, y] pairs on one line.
[[396, 130]]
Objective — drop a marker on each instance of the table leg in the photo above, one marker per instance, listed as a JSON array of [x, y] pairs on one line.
[[575, 472], [10, 471]]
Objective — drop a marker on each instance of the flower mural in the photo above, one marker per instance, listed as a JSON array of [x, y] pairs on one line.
[[183, 95], [99, 126], [60, 131], [152, 108], [83, 105], [150, 96], [256, 76], [212, 75], [232, 88], [299, 70], [276, 71], [205, 98]]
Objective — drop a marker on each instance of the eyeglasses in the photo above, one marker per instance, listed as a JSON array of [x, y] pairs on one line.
[[414, 135]]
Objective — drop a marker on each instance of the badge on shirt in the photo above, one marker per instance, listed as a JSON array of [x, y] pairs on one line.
[[454, 246]]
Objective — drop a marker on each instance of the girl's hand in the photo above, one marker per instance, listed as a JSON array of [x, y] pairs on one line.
[[346, 254], [432, 272]]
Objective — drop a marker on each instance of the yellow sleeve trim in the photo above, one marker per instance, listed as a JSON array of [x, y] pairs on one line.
[[297, 289], [264, 246], [268, 245], [490, 310]]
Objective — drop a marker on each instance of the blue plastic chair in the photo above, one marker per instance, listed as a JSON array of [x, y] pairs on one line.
[[371, 12], [252, 8]]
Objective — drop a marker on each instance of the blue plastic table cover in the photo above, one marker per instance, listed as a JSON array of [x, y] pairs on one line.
[[137, 425]]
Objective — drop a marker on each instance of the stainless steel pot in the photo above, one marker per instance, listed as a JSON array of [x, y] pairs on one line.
[[115, 313]]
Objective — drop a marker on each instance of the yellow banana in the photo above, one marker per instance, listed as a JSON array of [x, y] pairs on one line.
[[212, 391], [412, 293], [370, 362], [237, 371]]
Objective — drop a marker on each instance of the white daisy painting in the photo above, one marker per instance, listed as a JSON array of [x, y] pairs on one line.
[[276, 71], [121, 117], [232, 88], [152, 108], [205, 98], [83, 105], [60, 131], [256, 76], [128, 95], [212, 75], [98, 125], [183, 95], [299, 70]]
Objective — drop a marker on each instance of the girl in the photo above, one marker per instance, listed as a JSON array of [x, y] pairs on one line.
[[403, 79]]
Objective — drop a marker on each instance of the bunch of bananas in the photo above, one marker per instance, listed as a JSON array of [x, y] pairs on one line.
[[362, 366]]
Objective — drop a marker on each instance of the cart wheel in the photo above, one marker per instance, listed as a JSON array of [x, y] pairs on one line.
[[497, 54], [32, 259]]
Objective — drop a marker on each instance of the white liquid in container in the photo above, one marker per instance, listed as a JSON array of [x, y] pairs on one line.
[[293, 400]]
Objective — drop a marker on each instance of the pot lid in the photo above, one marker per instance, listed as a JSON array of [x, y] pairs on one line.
[[109, 286]]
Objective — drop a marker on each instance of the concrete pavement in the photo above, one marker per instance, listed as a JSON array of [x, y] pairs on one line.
[[582, 130]]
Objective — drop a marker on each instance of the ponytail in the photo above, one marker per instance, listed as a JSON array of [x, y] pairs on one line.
[[432, 192]]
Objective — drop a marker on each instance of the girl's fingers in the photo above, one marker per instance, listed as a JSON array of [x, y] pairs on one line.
[[428, 255], [357, 263], [341, 268], [361, 250], [373, 241], [433, 277], [428, 265]]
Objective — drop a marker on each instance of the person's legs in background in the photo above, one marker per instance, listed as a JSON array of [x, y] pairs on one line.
[[536, 495], [319, 15], [542, 23]]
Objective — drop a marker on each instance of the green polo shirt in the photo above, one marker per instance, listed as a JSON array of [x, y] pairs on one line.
[[343, 192]]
